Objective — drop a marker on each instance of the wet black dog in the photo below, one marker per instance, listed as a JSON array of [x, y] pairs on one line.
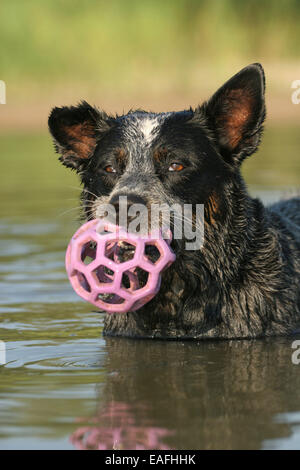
[[245, 281]]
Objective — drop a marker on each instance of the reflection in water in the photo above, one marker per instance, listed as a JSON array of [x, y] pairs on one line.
[[185, 395], [115, 428], [176, 395]]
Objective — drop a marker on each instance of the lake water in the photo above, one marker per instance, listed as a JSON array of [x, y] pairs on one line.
[[64, 386]]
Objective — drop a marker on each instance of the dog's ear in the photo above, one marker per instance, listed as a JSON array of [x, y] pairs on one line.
[[76, 131], [236, 113]]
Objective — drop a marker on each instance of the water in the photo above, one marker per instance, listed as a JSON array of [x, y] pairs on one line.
[[65, 386]]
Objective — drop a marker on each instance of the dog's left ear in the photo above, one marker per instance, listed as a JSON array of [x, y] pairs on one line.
[[236, 113]]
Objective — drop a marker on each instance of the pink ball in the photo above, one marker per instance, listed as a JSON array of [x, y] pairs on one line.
[[115, 270]]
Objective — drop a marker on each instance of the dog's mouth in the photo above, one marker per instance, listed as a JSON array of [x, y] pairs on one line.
[[137, 278], [126, 252]]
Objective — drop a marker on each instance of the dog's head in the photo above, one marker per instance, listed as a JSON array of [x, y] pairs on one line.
[[175, 157]]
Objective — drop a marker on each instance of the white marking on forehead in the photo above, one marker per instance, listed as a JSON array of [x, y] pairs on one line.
[[147, 126]]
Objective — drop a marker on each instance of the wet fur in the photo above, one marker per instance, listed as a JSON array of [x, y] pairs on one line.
[[244, 282]]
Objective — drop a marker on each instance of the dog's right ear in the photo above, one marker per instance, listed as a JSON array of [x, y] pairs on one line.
[[76, 131]]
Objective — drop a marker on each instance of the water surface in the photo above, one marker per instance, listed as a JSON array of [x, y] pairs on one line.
[[64, 386]]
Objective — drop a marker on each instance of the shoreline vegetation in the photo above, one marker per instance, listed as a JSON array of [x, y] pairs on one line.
[[142, 54]]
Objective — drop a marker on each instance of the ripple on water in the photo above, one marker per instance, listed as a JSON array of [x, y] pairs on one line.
[[63, 380]]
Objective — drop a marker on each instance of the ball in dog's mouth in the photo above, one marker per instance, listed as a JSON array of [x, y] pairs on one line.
[[116, 270]]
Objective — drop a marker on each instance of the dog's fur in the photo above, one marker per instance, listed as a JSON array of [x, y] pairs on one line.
[[244, 282]]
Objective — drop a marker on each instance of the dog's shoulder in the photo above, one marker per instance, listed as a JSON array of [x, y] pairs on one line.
[[289, 209]]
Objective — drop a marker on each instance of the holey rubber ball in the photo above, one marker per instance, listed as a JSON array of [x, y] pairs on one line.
[[115, 270]]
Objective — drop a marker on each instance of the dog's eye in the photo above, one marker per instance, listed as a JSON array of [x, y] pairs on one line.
[[176, 167], [109, 169]]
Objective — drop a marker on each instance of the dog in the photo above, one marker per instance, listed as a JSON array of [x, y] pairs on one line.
[[244, 282]]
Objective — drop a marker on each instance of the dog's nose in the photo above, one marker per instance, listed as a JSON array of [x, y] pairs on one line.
[[126, 200]]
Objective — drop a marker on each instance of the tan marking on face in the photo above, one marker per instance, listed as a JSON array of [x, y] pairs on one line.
[[159, 154], [121, 157], [212, 207]]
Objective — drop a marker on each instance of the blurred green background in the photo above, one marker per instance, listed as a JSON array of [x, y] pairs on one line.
[[151, 54], [136, 43]]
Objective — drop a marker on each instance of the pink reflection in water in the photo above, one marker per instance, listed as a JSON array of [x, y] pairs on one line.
[[115, 428]]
